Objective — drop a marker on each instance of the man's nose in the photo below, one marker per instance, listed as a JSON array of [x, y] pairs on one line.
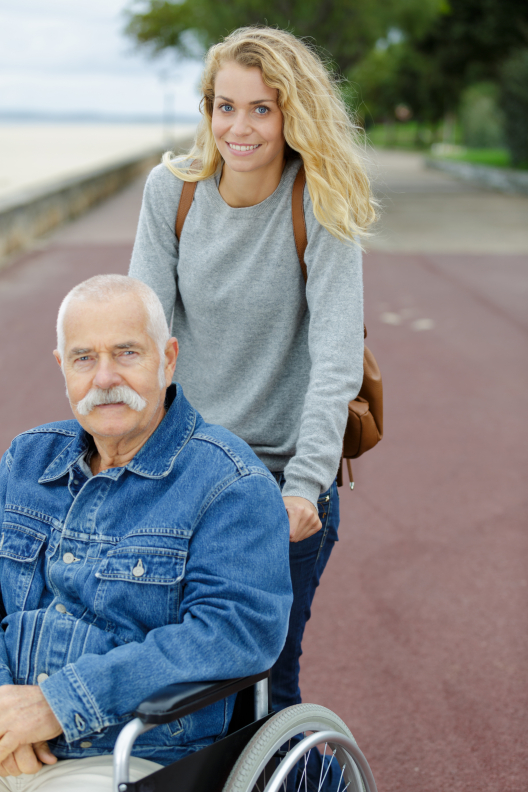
[[106, 375]]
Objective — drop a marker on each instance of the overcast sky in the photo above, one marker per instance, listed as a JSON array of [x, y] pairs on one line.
[[70, 56]]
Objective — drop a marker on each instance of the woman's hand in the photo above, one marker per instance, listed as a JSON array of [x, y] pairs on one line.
[[303, 517]]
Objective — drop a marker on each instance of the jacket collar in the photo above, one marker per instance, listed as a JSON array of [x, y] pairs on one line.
[[154, 459]]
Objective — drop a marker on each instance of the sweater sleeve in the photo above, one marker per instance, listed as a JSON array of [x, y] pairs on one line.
[[155, 254], [334, 294]]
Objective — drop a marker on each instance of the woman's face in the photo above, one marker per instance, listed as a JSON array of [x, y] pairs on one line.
[[247, 122]]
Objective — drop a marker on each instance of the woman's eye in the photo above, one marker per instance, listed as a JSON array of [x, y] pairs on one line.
[[226, 107], [265, 110]]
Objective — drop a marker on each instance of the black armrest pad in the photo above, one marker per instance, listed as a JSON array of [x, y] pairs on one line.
[[175, 701]]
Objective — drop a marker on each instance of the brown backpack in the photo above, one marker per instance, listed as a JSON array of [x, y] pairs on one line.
[[364, 427]]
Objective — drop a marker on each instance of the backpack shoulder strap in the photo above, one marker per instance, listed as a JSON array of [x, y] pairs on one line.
[[186, 199], [299, 223]]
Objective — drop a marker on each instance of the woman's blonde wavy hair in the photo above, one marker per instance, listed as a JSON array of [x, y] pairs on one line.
[[316, 126]]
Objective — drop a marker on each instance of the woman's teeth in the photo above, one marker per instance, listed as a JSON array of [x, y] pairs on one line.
[[243, 148]]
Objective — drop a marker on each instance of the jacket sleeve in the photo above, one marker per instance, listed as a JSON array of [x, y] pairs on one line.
[[5, 672], [155, 254], [334, 294], [233, 617]]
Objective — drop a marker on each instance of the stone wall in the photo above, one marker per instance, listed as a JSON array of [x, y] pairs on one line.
[[504, 179], [33, 212]]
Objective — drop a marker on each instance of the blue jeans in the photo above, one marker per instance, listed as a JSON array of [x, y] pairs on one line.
[[307, 562]]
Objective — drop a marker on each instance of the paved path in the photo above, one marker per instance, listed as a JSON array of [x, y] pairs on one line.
[[419, 637], [429, 211], [419, 633]]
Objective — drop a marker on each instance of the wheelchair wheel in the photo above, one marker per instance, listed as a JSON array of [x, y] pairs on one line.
[[283, 756]]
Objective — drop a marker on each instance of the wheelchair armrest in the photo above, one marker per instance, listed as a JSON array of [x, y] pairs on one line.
[[175, 701]]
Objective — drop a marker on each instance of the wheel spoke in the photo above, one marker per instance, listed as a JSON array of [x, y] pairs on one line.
[[304, 776], [322, 765], [306, 759], [327, 768], [341, 778]]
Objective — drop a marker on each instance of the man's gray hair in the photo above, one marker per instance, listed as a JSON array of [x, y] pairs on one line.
[[102, 288]]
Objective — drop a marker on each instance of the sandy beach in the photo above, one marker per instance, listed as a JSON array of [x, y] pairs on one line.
[[33, 155]]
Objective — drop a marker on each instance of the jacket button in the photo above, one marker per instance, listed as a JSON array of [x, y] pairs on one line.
[[68, 558], [60, 607], [139, 569], [42, 678], [86, 744]]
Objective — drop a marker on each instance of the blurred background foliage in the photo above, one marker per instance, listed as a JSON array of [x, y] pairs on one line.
[[415, 72]]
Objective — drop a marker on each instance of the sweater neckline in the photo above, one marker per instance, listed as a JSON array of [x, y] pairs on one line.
[[288, 174]]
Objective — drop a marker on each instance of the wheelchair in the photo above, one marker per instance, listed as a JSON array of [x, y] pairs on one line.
[[263, 751]]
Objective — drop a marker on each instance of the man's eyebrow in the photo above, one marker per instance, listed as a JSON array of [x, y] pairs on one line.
[[85, 350], [256, 102], [128, 345], [79, 351]]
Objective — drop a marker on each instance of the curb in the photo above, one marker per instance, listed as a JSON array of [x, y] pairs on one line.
[[506, 180]]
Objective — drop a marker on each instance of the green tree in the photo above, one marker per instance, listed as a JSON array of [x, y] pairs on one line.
[[480, 116], [346, 29], [468, 42], [429, 68], [514, 101], [397, 74]]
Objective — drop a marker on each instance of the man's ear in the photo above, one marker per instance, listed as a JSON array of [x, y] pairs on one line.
[[57, 357], [171, 355]]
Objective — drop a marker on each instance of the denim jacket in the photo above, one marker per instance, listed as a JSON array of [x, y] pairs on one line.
[[173, 568]]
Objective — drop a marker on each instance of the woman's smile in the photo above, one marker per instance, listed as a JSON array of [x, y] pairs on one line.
[[243, 148]]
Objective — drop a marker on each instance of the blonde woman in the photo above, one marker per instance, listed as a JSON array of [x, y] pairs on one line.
[[270, 358]]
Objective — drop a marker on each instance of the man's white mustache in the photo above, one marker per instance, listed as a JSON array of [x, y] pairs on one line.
[[121, 393]]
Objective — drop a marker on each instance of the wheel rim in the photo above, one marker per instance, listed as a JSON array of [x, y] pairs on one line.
[[269, 756], [355, 774], [342, 748]]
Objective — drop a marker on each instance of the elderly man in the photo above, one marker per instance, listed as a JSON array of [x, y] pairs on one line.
[[140, 547]]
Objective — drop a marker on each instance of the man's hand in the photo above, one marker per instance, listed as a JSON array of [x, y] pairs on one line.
[[303, 517], [27, 759], [26, 722]]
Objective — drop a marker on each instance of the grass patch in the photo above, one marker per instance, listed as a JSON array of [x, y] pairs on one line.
[[410, 136], [496, 157]]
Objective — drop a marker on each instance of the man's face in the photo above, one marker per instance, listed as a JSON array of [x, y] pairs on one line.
[[107, 346]]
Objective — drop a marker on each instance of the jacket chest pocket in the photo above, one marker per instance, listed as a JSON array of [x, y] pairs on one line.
[[21, 561], [139, 588]]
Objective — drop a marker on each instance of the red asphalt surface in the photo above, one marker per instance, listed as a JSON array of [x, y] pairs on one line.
[[418, 638]]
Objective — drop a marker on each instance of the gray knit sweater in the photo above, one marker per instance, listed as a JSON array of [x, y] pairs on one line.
[[261, 354]]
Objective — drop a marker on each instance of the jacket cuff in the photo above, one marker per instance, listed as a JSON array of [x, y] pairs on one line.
[[72, 704], [6, 678], [301, 488]]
